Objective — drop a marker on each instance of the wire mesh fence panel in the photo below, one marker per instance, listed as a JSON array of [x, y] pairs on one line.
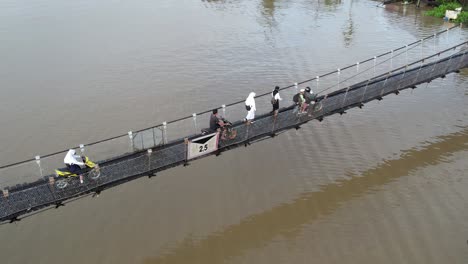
[[260, 127], [203, 120], [147, 138], [348, 77], [180, 129], [236, 112], [109, 149], [22, 173], [263, 105], [169, 156]]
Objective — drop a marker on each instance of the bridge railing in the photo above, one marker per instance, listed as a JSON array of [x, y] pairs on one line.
[[42, 165]]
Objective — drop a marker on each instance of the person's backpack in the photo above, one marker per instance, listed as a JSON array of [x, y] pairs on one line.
[[273, 100], [247, 107], [296, 98]]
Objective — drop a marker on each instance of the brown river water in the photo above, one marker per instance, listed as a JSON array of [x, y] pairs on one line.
[[385, 184]]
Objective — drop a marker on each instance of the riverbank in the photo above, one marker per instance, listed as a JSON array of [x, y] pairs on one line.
[[435, 8]]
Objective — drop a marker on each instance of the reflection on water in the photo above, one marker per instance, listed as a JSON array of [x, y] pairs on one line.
[[349, 27], [287, 220], [332, 4], [268, 12]]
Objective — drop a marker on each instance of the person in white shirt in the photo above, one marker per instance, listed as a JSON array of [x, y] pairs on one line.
[[250, 106], [73, 162], [275, 98]]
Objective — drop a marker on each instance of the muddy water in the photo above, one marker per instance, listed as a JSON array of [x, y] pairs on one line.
[[385, 184]]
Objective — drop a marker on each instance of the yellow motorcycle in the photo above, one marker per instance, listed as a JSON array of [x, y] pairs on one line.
[[91, 170]]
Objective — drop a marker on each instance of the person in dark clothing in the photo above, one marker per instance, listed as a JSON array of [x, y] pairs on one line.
[[275, 98], [215, 121], [218, 123], [309, 95], [311, 100]]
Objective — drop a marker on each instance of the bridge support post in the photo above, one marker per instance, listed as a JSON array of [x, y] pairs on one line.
[[338, 72], [186, 142], [344, 100], [38, 161], [383, 86], [397, 92], [154, 137], [406, 54], [224, 110], [164, 132], [130, 136], [194, 116], [422, 48], [364, 93], [148, 152], [142, 140], [391, 60], [375, 63], [317, 79]]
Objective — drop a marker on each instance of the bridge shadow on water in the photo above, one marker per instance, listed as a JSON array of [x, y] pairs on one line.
[[289, 219]]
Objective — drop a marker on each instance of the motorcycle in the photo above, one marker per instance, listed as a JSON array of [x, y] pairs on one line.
[[227, 132], [90, 169]]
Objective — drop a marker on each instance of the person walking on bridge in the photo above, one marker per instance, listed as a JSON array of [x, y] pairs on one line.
[[302, 102], [275, 98], [250, 106]]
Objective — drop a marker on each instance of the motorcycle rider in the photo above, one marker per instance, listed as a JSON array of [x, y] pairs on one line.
[[73, 162]]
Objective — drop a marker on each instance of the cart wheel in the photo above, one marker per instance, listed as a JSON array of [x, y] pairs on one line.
[[318, 106], [61, 183], [94, 174]]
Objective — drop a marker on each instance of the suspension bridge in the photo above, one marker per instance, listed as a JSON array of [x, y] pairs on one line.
[[29, 186]]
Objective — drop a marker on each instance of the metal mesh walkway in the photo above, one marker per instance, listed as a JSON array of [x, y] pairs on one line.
[[25, 198]]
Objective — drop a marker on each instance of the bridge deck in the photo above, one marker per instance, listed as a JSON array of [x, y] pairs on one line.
[[26, 198]]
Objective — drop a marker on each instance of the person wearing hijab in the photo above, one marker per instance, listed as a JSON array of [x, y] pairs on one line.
[[275, 98], [250, 106], [309, 96], [71, 160]]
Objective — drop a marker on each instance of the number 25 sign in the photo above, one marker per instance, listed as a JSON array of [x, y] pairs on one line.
[[202, 145]]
